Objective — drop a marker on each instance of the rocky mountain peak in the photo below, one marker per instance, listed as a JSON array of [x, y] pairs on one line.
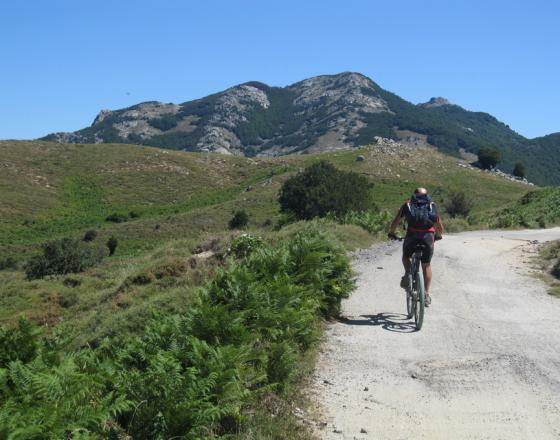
[[436, 102]]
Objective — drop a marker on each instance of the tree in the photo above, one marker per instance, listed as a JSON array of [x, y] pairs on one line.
[[62, 256], [519, 170], [321, 189], [488, 157]]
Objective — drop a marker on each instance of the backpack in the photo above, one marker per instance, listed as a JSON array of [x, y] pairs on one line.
[[421, 212]]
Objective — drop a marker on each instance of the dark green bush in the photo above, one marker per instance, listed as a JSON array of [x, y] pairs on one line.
[[90, 235], [63, 256], [458, 204], [322, 189], [117, 218], [488, 157], [112, 244], [133, 214], [555, 271], [519, 170], [239, 220], [245, 245], [8, 263]]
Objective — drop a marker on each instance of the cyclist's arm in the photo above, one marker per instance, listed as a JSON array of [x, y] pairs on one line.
[[439, 226], [396, 222]]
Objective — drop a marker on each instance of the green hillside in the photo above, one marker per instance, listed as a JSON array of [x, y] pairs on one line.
[[189, 325]]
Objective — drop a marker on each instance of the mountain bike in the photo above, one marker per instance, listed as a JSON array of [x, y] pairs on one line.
[[415, 294]]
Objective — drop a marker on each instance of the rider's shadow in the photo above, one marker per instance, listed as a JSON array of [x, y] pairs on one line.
[[393, 322]]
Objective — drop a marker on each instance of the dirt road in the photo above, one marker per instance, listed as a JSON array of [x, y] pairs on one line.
[[486, 364]]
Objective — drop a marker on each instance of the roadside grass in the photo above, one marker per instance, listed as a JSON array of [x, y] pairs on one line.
[[549, 264]]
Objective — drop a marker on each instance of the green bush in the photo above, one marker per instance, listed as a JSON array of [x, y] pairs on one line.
[[245, 245], [90, 235], [8, 263], [458, 204], [488, 157], [369, 220], [239, 220], [63, 256], [192, 376], [322, 189], [519, 170], [117, 218], [555, 271]]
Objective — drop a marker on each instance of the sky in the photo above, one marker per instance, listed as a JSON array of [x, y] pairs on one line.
[[61, 62]]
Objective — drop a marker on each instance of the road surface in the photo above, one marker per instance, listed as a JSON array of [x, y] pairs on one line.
[[486, 364]]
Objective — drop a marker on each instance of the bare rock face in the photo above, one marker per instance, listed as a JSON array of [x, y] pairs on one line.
[[318, 114], [436, 102], [337, 92]]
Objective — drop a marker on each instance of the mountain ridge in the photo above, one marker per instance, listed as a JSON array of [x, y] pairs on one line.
[[322, 113]]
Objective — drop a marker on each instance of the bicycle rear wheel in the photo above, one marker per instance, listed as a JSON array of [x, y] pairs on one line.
[[409, 304], [419, 309]]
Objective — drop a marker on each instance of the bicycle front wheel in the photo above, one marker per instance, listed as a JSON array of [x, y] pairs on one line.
[[419, 309]]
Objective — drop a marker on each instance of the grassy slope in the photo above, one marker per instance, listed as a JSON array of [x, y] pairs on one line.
[[51, 190]]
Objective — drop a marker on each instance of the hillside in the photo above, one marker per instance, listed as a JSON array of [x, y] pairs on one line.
[[179, 310], [322, 113]]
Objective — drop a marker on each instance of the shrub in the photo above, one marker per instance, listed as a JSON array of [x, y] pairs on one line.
[[555, 271], [61, 257], [8, 263], [458, 204], [245, 245], [369, 220], [239, 220], [112, 244], [90, 235], [321, 189], [519, 170], [134, 214], [117, 218], [192, 376], [488, 157]]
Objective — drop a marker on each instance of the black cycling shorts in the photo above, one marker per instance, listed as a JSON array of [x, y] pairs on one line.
[[426, 238]]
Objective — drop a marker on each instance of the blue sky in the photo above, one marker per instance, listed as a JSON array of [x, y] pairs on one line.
[[63, 61]]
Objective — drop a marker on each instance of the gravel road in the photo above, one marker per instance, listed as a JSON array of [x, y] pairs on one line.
[[486, 364]]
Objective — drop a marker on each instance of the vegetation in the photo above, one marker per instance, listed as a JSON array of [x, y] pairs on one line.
[[112, 244], [90, 235], [458, 204], [488, 158], [193, 375], [166, 258], [550, 264], [322, 189], [61, 257], [519, 170], [239, 220], [538, 208]]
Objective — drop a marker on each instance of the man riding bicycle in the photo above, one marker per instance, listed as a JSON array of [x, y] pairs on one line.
[[424, 226]]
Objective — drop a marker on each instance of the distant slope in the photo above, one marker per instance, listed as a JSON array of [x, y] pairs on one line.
[[322, 113], [49, 189]]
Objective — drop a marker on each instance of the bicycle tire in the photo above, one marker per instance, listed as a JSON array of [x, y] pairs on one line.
[[419, 306], [409, 304]]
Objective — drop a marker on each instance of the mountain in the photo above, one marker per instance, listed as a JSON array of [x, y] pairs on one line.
[[322, 113]]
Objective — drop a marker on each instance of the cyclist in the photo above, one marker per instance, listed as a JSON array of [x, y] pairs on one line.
[[423, 226]]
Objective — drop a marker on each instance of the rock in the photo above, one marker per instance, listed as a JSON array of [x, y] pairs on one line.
[[366, 389], [363, 431], [360, 158]]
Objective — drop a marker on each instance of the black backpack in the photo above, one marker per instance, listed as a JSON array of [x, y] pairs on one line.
[[421, 212]]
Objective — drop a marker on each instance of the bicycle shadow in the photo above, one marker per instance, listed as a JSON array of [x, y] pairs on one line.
[[393, 322]]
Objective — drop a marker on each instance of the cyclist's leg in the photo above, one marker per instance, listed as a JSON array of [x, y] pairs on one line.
[[427, 268]]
